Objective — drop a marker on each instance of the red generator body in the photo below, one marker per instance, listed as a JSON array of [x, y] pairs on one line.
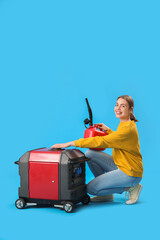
[[92, 131], [53, 177]]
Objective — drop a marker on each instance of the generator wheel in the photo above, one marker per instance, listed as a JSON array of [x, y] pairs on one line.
[[20, 203], [68, 207], [86, 199]]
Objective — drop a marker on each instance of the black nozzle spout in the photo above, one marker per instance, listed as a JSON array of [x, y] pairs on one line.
[[90, 113]]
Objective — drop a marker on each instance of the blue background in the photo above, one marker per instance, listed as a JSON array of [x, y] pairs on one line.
[[53, 54]]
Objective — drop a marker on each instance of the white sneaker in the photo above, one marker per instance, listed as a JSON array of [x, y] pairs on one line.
[[107, 198], [133, 193]]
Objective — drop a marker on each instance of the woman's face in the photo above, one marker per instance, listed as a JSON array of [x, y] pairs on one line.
[[122, 110]]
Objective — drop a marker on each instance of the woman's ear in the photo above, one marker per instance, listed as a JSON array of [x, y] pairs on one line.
[[131, 110]]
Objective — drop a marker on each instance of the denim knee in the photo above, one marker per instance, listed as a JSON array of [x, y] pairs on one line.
[[88, 153], [90, 189]]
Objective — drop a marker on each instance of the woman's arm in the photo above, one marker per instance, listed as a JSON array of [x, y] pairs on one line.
[[114, 140], [63, 145]]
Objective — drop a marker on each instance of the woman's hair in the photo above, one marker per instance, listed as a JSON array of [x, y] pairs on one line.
[[130, 101]]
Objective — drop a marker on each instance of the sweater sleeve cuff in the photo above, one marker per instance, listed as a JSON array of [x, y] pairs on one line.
[[76, 143], [109, 131]]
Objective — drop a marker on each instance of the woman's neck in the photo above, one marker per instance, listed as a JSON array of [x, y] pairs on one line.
[[125, 120]]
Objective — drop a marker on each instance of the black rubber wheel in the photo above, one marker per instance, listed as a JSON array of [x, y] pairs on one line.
[[20, 203], [68, 207], [86, 199]]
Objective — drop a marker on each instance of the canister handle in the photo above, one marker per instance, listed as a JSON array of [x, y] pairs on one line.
[[17, 162]]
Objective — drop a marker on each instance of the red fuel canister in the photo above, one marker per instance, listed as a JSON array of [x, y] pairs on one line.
[[92, 131]]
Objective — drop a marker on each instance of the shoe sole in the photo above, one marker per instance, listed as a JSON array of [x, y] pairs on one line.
[[101, 200], [96, 201]]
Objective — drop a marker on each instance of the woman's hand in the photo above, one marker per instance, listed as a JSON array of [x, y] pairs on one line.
[[102, 126], [63, 145]]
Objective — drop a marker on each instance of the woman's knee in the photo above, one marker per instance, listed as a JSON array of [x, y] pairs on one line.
[[91, 189], [89, 153]]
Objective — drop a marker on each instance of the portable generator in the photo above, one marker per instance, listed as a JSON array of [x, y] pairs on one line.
[[54, 177]]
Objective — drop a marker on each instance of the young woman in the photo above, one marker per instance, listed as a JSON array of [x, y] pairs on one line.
[[124, 170]]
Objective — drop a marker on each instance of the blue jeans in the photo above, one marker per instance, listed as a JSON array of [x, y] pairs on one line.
[[109, 178]]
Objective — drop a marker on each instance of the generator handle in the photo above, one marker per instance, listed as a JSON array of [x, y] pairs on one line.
[[55, 149], [16, 162], [81, 160]]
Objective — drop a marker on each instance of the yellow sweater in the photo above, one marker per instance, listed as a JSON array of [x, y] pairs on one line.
[[125, 144]]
